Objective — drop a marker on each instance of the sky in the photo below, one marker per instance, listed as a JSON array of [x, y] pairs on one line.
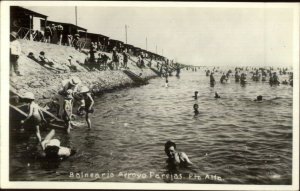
[[193, 35]]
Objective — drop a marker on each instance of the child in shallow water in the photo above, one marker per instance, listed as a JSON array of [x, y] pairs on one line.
[[87, 104], [67, 110], [35, 116]]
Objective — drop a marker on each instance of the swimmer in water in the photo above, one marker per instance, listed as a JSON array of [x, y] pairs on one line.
[[88, 104], [217, 95], [53, 150], [196, 95], [259, 98], [174, 157], [196, 111], [167, 83]]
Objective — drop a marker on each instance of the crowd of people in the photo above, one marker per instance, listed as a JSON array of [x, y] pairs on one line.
[[55, 34], [257, 74]]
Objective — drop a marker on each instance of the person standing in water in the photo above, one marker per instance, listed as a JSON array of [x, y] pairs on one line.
[[174, 157], [212, 79], [35, 116], [196, 111], [67, 110], [69, 84], [87, 104], [196, 95]]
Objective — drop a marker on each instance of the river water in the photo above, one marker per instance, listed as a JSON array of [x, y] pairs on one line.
[[234, 140]]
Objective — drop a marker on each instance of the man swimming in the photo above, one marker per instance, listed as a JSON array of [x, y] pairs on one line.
[[174, 157], [259, 98], [196, 111], [217, 95]]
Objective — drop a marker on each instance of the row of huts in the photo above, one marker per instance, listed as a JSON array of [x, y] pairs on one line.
[[26, 22]]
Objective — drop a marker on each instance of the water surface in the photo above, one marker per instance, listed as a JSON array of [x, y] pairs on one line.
[[233, 140]]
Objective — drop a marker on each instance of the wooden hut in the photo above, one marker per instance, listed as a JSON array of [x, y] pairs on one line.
[[26, 22]]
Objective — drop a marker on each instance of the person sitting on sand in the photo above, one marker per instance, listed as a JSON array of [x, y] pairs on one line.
[[42, 63], [174, 157], [67, 110], [35, 116], [217, 95], [196, 95], [196, 111], [87, 104], [71, 65], [53, 150], [50, 64]]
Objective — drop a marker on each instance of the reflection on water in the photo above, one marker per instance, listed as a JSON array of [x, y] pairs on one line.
[[232, 140]]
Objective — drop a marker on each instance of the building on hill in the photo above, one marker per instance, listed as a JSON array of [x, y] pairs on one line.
[[137, 51], [130, 48], [27, 23], [99, 39], [115, 43], [69, 29]]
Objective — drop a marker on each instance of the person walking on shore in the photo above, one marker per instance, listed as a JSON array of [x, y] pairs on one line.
[[48, 34], [125, 58], [15, 51], [115, 58]]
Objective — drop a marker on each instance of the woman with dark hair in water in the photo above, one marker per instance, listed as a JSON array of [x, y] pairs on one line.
[[174, 157]]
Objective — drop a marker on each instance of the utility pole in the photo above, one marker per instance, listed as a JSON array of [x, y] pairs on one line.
[[156, 49], [76, 15], [126, 34]]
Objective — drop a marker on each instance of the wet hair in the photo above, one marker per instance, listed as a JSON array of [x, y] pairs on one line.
[[196, 92], [169, 144], [42, 53], [51, 152]]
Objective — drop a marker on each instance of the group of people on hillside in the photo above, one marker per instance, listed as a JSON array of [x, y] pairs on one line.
[[104, 62]]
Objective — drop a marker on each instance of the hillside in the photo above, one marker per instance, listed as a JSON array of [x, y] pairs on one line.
[[44, 83]]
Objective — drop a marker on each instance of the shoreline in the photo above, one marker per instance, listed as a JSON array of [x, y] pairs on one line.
[[44, 84]]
